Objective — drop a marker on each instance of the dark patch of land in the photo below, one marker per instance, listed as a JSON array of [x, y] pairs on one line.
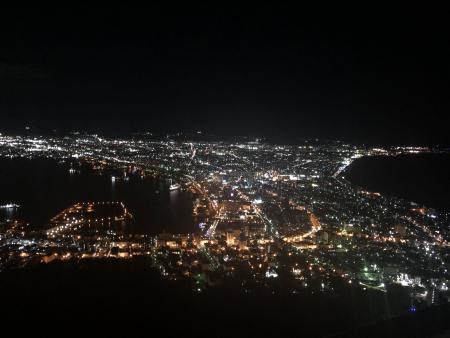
[[112, 296]]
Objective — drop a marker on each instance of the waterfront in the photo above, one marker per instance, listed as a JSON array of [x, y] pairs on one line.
[[44, 187], [419, 178], [275, 220]]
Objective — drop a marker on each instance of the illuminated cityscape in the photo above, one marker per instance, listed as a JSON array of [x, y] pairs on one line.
[[271, 170], [260, 211]]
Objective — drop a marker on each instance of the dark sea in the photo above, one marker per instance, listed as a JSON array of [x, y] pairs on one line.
[[420, 178], [44, 187]]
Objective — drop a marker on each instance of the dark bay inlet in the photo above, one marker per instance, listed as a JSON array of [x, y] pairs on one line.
[[420, 178], [44, 187]]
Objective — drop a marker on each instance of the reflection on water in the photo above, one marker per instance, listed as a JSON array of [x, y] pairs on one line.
[[44, 187], [7, 214]]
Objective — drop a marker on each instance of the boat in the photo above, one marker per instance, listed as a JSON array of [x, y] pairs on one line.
[[174, 186], [9, 206]]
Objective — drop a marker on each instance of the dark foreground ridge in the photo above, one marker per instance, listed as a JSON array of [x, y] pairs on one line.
[[430, 322], [114, 296]]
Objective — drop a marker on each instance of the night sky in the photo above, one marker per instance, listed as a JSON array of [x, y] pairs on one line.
[[367, 74]]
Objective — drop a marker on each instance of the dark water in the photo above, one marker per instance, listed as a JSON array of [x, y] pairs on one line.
[[44, 187], [421, 178]]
